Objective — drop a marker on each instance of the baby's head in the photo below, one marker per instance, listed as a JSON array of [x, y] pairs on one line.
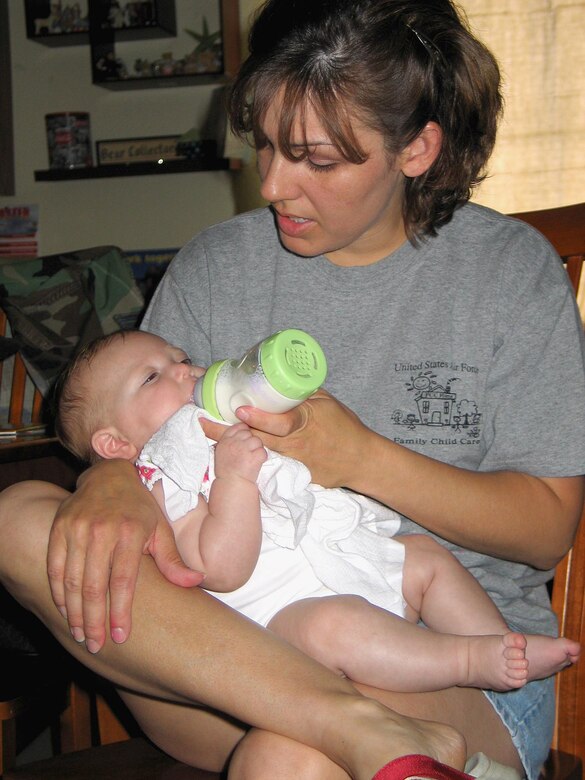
[[118, 391]]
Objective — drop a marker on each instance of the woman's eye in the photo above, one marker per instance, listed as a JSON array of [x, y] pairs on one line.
[[321, 167], [187, 361]]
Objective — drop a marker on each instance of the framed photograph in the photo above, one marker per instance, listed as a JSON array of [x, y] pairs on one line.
[[57, 23], [124, 151], [138, 14]]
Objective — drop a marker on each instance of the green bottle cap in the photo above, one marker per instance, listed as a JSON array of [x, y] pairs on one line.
[[294, 363], [208, 389]]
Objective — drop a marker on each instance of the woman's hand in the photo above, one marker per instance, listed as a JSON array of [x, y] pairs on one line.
[[322, 433], [95, 547]]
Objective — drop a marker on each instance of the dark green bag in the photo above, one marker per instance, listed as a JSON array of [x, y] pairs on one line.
[[58, 303]]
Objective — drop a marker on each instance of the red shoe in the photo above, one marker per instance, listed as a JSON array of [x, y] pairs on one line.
[[417, 766]]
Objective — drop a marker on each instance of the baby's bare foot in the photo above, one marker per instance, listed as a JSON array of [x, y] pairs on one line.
[[547, 655], [498, 663], [502, 663]]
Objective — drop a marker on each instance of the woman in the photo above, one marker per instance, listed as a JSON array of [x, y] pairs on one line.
[[455, 351]]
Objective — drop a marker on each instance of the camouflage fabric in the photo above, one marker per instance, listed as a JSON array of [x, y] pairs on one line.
[[58, 303]]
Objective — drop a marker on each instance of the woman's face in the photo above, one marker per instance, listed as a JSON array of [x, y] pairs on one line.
[[324, 204]]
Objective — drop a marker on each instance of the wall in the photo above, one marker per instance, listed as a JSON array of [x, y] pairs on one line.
[[132, 212], [165, 211]]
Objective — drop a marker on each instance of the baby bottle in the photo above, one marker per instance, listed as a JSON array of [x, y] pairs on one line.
[[274, 375]]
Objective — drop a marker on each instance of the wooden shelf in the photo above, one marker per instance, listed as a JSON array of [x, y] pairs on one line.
[[61, 39], [150, 82], [136, 169]]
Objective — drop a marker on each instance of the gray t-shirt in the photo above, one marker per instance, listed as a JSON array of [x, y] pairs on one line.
[[467, 348]]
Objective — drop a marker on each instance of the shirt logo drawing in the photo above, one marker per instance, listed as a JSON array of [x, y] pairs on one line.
[[436, 402]]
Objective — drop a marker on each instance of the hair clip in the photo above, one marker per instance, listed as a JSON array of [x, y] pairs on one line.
[[431, 48]]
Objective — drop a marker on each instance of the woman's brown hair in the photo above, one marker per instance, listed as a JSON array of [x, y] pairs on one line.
[[395, 64]]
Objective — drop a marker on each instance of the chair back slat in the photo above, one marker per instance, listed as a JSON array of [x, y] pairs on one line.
[[19, 388], [564, 227], [574, 265], [16, 407], [2, 333]]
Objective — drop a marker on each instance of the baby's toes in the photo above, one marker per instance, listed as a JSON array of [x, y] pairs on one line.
[[518, 665], [515, 654]]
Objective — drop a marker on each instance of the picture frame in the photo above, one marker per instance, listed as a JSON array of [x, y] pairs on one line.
[[57, 24], [126, 151], [7, 167]]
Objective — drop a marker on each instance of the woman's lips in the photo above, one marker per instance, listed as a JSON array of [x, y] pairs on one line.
[[293, 226]]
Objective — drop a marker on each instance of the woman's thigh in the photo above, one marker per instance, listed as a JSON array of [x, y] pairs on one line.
[[195, 735]]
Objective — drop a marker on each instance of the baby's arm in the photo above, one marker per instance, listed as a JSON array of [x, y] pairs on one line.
[[223, 538]]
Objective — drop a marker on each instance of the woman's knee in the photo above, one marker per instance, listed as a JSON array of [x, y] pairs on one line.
[[27, 510], [264, 756]]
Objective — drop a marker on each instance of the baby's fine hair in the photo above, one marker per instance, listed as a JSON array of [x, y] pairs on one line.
[[78, 409], [395, 64]]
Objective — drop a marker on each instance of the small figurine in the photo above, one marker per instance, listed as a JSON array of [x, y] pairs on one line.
[[111, 67]]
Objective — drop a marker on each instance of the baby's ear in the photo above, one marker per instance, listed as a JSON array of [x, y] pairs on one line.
[[109, 444]]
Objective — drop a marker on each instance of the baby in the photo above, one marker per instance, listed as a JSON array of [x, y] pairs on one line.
[[317, 566]]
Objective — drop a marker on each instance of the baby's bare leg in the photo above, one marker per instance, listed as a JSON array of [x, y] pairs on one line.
[[441, 592], [374, 647], [187, 648]]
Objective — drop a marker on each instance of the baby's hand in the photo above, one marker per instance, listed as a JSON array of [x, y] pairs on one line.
[[239, 452]]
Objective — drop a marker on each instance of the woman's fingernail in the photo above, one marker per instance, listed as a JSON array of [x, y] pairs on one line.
[[118, 635], [92, 646], [77, 634], [63, 612]]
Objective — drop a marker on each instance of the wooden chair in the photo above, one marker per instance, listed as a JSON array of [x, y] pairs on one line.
[[35, 695], [91, 737], [16, 407], [27, 448], [32, 692], [136, 758], [565, 229], [114, 752]]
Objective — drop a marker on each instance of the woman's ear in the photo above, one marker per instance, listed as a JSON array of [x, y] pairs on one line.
[[109, 444], [421, 153]]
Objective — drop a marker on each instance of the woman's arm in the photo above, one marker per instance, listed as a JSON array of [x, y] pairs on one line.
[[504, 514], [97, 541]]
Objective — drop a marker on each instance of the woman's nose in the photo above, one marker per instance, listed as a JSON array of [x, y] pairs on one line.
[[278, 179]]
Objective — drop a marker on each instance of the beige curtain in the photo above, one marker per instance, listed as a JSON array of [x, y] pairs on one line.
[[539, 160]]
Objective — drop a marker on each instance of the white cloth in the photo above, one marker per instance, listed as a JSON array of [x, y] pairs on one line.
[[316, 541]]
